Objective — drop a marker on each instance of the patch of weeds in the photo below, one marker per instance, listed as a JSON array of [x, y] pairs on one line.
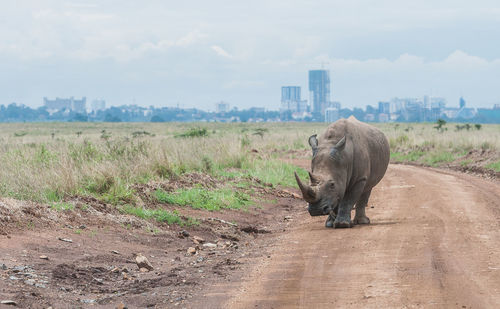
[[412, 156], [100, 184], [119, 194], [62, 206], [43, 156], [84, 152], [465, 163], [142, 133], [163, 170], [160, 215], [398, 141], [78, 232], [245, 141], [275, 172], [207, 163], [440, 157], [486, 146], [53, 196], [494, 166], [20, 134], [200, 198], [193, 132], [298, 144]]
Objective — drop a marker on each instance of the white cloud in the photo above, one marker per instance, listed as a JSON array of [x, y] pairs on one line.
[[220, 51]]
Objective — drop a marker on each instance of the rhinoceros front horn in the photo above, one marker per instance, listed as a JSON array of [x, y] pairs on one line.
[[307, 191]]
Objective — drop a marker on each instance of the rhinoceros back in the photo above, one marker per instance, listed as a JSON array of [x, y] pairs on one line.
[[369, 149]]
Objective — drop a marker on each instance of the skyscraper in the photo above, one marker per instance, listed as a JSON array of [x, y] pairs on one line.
[[319, 91]]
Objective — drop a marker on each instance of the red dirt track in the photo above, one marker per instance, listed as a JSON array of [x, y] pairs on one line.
[[434, 242]]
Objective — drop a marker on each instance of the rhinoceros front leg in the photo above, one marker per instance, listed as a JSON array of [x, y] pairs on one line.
[[331, 217], [343, 219], [360, 216]]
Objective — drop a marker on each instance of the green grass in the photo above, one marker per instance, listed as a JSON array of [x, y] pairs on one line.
[[439, 157], [61, 206], [412, 156], [160, 215], [275, 172], [494, 166], [200, 198]]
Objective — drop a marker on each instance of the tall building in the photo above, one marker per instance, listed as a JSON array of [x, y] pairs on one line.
[[319, 91], [290, 100], [462, 102], [69, 103], [221, 107], [98, 105], [332, 114]]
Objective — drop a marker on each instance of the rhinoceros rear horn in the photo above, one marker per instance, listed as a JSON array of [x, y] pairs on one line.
[[313, 142], [307, 191]]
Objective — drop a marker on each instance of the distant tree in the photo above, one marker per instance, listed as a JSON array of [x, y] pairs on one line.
[[440, 123], [109, 118], [80, 118], [477, 126], [157, 118]]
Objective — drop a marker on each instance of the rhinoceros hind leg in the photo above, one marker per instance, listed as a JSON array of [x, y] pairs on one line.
[[360, 216]]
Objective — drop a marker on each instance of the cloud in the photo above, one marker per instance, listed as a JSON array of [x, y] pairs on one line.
[[220, 51]]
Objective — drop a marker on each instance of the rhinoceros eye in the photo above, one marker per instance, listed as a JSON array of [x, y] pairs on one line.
[[332, 185]]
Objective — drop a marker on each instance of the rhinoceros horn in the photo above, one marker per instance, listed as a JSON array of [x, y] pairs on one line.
[[308, 192]]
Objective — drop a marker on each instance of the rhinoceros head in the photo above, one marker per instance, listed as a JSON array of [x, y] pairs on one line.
[[326, 187]]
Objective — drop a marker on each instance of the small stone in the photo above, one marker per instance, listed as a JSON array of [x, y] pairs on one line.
[[14, 278], [209, 245], [115, 252], [142, 262], [65, 239], [82, 227], [8, 302], [288, 218], [183, 234], [198, 240], [121, 306], [143, 270], [125, 276], [4, 267], [191, 250], [44, 257]]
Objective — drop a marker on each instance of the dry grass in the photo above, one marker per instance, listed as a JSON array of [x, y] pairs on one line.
[[47, 161]]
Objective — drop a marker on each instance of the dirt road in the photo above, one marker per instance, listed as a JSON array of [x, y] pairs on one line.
[[434, 242]]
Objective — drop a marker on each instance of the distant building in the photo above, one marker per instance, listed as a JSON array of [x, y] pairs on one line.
[[319, 91], [68, 104], [462, 102], [221, 107], [384, 107], [291, 100], [98, 105], [332, 114]]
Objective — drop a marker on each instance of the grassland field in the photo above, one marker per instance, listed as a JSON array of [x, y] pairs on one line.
[[52, 163]]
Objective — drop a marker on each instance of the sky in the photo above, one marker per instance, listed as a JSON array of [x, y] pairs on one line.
[[195, 53]]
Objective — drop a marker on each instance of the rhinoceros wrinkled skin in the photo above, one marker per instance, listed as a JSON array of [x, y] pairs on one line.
[[349, 159]]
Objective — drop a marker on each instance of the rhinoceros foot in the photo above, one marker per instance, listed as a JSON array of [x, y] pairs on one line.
[[330, 220], [342, 224], [361, 220]]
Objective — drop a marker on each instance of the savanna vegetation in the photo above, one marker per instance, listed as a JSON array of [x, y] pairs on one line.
[[53, 163]]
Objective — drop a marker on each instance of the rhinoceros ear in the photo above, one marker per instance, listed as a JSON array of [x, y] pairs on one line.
[[338, 148], [313, 141]]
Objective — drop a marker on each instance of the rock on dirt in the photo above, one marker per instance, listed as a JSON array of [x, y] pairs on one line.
[[8, 302], [198, 240], [191, 250], [44, 257], [142, 262], [210, 245]]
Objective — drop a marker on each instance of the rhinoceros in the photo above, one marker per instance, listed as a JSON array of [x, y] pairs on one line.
[[349, 159]]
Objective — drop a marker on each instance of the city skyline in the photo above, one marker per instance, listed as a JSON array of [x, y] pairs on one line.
[[195, 54]]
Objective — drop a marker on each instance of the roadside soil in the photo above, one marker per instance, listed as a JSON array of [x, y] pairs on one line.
[[433, 243]]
